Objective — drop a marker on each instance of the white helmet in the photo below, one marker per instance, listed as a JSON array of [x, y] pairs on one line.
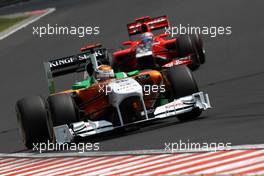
[[103, 72], [146, 38]]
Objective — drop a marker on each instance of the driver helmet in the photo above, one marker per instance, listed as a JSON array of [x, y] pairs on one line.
[[147, 38], [103, 72]]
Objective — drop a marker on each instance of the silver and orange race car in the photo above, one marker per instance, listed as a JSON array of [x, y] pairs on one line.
[[107, 101]]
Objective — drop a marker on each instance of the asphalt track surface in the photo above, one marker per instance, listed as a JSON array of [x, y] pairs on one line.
[[233, 74]]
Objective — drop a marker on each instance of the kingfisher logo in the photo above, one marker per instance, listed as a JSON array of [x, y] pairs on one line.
[[62, 62], [98, 53], [86, 55], [72, 59]]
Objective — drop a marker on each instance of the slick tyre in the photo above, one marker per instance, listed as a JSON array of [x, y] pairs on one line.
[[199, 47], [182, 81], [113, 63], [186, 47], [183, 84], [62, 109], [32, 119]]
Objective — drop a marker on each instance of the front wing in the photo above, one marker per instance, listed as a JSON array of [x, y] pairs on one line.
[[65, 133]]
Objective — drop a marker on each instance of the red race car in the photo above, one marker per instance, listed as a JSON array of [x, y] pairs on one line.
[[155, 51]]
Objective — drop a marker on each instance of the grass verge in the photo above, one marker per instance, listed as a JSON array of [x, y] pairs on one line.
[[6, 23]]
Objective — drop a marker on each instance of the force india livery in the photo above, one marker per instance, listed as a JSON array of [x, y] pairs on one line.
[[106, 99]]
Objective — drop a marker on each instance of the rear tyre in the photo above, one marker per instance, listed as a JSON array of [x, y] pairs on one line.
[[112, 63], [32, 119], [106, 60], [186, 47], [183, 84]]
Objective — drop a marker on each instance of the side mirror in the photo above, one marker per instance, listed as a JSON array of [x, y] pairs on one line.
[[164, 35], [127, 43]]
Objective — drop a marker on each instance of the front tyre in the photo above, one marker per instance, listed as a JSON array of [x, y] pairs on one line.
[[62, 110], [183, 84], [32, 119]]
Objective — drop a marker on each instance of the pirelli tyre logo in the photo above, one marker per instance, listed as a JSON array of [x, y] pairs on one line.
[[72, 59]]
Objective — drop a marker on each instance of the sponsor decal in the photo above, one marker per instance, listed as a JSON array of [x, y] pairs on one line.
[[61, 62], [174, 104], [72, 59]]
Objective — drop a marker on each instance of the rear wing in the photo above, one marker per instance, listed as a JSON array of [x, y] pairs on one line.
[[152, 24], [73, 64]]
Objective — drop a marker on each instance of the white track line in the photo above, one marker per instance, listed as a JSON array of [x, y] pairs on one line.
[[214, 163], [7, 161], [82, 165], [116, 153], [235, 165], [113, 166], [191, 162], [245, 159], [256, 172], [17, 164], [40, 171], [158, 163], [33, 171], [57, 171], [25, 23], [59, 160], [127, 167], [25, 164], [245, 169]]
